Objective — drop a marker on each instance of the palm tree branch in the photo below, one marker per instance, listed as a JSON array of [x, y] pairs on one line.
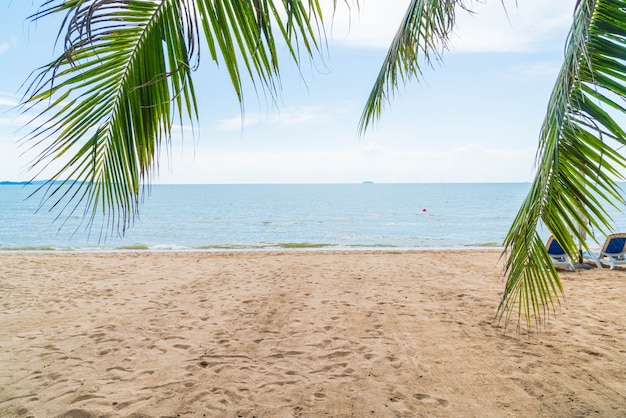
[[423, 34], [578, 164], [115, 108], [111, 97]]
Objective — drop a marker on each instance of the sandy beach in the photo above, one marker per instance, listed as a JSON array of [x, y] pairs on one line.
[[299, 334]]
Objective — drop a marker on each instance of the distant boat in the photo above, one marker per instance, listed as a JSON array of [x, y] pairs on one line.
[[368, 182]]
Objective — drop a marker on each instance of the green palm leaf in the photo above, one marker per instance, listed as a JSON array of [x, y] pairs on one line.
[[423, 35], [578, 163], [112, 98]]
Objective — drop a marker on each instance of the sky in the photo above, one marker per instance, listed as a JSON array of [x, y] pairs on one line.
[[474, 118]]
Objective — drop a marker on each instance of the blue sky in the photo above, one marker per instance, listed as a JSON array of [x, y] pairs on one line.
[[476, 118]]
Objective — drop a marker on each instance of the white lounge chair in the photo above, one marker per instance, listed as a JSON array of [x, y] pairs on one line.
[[557, 254], [613, 252]]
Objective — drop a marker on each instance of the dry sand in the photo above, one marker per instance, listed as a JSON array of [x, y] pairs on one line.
[[299, 334]]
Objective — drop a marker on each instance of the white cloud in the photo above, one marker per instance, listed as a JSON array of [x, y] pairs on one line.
[[465, 163], [373, 25], [531, 25], [533, 71], [284, 117], [12, 166], [6, 45], [470, 163], [15, 121], [8, 100]]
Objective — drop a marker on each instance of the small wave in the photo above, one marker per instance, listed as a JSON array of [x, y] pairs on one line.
[[485, 244], [371, 246], [136, 247], [303, 245], [225, 247], [30, 248]]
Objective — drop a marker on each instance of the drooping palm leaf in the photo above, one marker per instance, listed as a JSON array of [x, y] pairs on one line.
[[421, 38], [578, 162], [124, 78]]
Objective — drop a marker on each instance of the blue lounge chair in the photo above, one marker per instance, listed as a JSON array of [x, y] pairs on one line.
[[557, 254], [613, 252]]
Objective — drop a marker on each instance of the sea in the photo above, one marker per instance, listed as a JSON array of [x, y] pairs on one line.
[[277, 217]]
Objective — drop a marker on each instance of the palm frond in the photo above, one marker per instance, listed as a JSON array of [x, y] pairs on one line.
[[124, 78], [579, 165], [421, 38]]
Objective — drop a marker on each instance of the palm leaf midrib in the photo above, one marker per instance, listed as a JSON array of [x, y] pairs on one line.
[[132, 55]]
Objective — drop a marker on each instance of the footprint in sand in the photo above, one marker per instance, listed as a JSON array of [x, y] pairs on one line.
[[319, 395], [422, 397], [395, 362], [182, 346]]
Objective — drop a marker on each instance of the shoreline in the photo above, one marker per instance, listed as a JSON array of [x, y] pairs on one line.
[[313, 248], [380, 332]]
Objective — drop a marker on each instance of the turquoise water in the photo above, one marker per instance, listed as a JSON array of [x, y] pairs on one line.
[[334, 216]]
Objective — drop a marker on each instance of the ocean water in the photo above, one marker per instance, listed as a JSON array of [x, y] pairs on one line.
[[235, 217]]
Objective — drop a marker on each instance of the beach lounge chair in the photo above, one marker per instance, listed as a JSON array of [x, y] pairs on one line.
[[613, 252], [557, 254]]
